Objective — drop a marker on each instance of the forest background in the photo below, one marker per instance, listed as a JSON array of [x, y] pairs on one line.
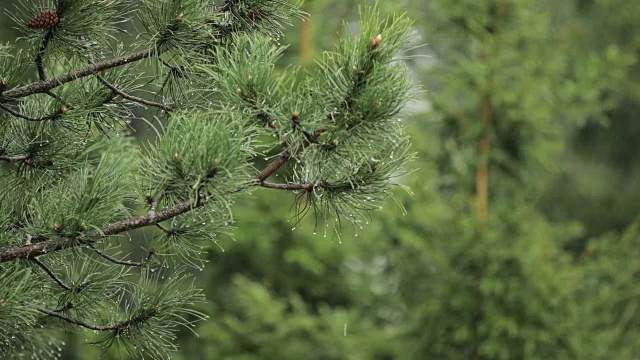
[[522, 235]]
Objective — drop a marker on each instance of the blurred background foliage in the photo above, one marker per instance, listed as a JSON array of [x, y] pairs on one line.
[[521, 238]]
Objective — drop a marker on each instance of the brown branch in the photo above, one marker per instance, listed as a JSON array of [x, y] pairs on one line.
[[273, 166], [278, 162], [146, 220], [289, 187], [113, 327], [50, 273], [15, 158], [43, 86]]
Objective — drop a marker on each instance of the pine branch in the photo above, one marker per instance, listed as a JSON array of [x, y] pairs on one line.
[[43, 86], [119, 326], [136, 222], [307, 186], [288, 187]]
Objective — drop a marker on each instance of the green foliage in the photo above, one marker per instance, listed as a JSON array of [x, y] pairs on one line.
[[610, 272], [508, 293], [439, 282], [265, 16], [244, 71], [98, 199], [362, 93], [200, 153], [78, 21], [518, 93], [16, 282], [13, 64], [180, 28], [156, 311], [74, 182], [290, 294], [345, 113]]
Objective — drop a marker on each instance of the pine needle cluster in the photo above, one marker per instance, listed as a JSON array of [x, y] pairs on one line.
[[73, 182]]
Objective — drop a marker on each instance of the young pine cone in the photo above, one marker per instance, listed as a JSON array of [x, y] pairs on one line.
[[44, 20]]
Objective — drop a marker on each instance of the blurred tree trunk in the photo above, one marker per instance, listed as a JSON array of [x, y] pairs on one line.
[[306, 36]]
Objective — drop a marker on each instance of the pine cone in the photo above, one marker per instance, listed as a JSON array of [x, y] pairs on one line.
[[44, 20]]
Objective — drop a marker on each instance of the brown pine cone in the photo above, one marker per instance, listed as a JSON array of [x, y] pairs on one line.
[[44, 20]]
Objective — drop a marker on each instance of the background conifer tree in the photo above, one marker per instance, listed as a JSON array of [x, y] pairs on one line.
[[430, 284], [74, 185]]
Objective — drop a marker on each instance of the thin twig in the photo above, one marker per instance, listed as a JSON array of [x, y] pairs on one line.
[[115, 89], [65, 307], [51, 274], [165, 230], [40, 56], [27, 117], [42, 74], [156, 200], [121, 93], [122, 262], [112, 327]]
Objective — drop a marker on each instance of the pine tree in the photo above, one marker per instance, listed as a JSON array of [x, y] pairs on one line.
[[483, 272], [74, 183]]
